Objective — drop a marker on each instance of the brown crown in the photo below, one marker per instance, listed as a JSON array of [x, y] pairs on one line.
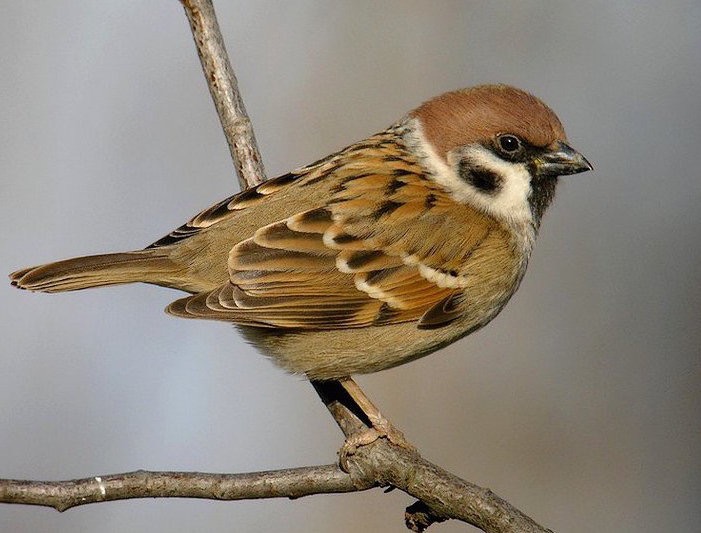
[[477, 114]]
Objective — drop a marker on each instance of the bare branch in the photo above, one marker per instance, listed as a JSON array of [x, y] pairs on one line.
[[225, 92], [444, 494], [378, 464], [288, 483]]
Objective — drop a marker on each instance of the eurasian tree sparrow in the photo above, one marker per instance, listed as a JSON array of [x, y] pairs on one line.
[[374, 256]]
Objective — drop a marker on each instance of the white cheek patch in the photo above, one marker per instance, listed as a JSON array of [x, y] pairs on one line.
[[509, 203]]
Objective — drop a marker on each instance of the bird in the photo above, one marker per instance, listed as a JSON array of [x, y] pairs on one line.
[[378, 254]]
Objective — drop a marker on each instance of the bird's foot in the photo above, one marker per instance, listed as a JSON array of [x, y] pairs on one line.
[[381, 429]]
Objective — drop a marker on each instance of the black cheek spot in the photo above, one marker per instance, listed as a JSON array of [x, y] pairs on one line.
[[480, 178]]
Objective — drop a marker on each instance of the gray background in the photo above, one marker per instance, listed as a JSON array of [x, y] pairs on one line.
[[580, 403]]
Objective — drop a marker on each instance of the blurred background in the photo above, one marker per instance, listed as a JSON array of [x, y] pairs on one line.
[[580, 403]]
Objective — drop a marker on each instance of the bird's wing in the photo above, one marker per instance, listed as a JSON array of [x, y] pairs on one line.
[[224, 209], [390, 246], [381, 148]]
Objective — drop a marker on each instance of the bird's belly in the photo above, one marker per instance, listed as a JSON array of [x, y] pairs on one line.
[[332, 354]]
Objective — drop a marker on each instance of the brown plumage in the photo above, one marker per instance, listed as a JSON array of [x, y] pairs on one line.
[[460, 117], [373, 256]]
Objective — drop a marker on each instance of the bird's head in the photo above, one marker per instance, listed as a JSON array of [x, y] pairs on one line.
[[498, 148]]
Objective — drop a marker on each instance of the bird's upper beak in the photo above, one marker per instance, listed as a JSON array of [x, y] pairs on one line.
[[560, 159]]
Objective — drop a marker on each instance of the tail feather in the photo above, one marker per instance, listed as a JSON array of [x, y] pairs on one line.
[[95, 271]]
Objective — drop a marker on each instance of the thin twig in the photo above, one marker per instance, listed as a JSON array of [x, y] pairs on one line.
[[225, 92], [378, 464], [288, 483]]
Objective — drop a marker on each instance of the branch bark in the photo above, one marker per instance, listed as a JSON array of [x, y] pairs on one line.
[[287, 483], [441, 495], [379, 464], [225, 92]]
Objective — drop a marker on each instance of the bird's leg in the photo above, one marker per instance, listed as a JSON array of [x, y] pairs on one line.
[[380, 427]]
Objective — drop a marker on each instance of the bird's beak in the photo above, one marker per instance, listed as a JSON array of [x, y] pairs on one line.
[[560, 160]]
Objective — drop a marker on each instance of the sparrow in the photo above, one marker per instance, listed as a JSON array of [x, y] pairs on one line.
[[373, 256]]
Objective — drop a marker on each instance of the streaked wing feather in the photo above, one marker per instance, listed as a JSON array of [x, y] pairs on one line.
[[225, 208], [369, 257]]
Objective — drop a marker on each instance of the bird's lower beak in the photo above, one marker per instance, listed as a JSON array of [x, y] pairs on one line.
[[561, 160]]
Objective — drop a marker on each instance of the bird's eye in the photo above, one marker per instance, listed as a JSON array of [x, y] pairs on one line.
[[509, 144]]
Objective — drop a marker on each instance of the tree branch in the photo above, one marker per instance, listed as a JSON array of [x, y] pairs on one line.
[[441, 494], [288, 483], [225, 92], [378, 464]]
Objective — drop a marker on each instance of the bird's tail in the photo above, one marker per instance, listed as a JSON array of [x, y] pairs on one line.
[[148, 266]]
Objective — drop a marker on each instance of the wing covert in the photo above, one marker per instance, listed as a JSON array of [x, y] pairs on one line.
[[368, 257]]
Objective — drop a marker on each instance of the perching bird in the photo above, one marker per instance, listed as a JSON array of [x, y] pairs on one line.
[[373, 256]]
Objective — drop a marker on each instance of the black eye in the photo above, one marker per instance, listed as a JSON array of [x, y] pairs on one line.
[[509, 144]]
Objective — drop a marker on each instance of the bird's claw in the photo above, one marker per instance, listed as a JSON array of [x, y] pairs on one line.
[[381, 429]]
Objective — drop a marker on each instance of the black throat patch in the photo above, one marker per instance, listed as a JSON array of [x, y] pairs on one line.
[[542, 194]]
